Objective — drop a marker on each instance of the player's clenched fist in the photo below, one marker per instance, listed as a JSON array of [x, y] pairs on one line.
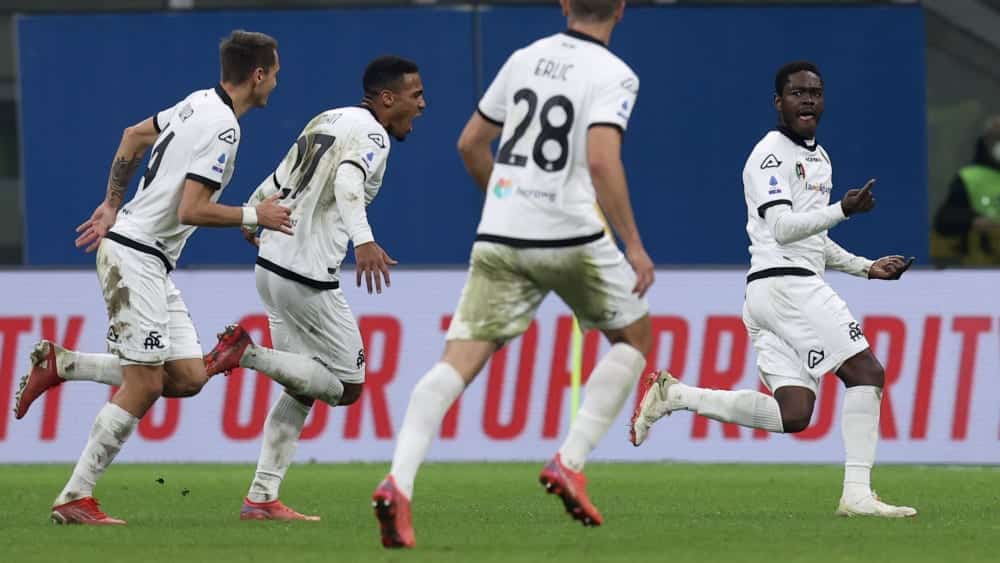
[[373, 262], [859, 201], [271, 215]]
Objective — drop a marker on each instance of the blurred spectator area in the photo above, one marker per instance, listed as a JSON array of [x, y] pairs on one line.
[[963, 78]]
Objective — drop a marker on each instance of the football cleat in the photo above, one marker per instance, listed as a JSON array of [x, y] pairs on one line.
[[392, 509], [42, 377], [273, 510], [84, 510], [571, 487], [225, 357], [871, 505], [653, 405]]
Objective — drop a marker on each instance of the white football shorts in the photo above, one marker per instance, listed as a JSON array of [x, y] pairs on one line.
[[506, 285], [314, 322], [800, 328], [148, 322]]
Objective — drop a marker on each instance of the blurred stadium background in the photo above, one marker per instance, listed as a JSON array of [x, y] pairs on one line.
[[909, 85]]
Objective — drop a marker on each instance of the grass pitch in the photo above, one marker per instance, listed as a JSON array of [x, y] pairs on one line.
[[498, 512]]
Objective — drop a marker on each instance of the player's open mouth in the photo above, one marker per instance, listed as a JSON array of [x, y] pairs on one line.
[[807, 116]]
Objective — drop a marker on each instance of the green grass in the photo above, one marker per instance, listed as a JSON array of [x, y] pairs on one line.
[[498, 512]]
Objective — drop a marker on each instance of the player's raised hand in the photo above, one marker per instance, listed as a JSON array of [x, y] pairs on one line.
[[643, 266], [271, 215], [92, 230], [373, 262], [859, 201], [889, 267]]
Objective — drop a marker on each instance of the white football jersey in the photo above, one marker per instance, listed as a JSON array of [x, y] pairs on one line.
[[198, 139], [783, 171], [546, 97], [312, 255]]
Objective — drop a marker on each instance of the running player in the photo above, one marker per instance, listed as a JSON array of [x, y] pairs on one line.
[[154, 348], [560, 107], [329, 175], [800, 327]]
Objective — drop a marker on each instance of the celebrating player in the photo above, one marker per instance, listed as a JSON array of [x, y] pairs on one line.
[[155, 350], [329, 175], [560, 106], [800, 327]]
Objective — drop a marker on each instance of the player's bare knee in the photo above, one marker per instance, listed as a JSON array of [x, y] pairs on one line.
[[796, 406], [352, 392], [637, 335]]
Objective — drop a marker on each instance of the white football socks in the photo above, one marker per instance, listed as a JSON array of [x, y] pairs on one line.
[[281, 438], [744, 407], [430, 400], [81, 366], [111, 429], [607, 389], [859, 426], [301, 374]]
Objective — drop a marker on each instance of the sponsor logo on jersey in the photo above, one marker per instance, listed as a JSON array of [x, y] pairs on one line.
[[813, 158], [770, 161], [186, 112], [773, 182], [220, 163], [378, 139], [367, 160], [631, 85], [503, 188], [814, 358], [112, 334], [228, 136], [800, 171], [821, 188], [624, 111]]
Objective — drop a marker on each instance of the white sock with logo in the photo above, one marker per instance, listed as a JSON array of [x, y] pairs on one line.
[[82, 366], [607, 389], [860, 428], [301, 374], [111, 429], [745, 407], [430, 400], [281, 438]]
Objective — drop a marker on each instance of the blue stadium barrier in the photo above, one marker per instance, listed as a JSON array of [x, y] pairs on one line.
[[706, 86]]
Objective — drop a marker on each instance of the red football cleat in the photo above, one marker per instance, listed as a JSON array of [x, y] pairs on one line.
[[392, 509], [83, 511], [42, 377], [225, 357], [274, 510], [571, 486]]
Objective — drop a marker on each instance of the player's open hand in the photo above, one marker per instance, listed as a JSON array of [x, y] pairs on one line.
[[250, 235], [271, 215], [643, 266], [373, 262], [859, 201], [889, 267], [93, 230]]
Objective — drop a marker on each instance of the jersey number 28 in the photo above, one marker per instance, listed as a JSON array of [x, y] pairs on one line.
[[558, 134]]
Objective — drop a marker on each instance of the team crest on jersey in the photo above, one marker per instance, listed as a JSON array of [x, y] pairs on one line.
[[800, 171], [229, 136], [378, 139], [770, 161]]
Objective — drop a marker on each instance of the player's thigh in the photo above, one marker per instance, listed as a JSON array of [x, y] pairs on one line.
[[320, 324], [778, 364], [267, 283], [498, 301], [596, 282], [134, 285]]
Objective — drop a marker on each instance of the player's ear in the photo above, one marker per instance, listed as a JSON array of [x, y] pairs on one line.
[[388, 98], [777, 103]]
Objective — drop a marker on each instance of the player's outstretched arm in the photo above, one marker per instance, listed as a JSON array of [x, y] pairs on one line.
[[474, 147], [197, 208], [788, 226], [608, 174], [135, 140], [837, 258]]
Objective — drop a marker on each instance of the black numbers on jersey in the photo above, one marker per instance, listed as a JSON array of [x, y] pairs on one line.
[[307, 158], [155, 159], [557, 133]]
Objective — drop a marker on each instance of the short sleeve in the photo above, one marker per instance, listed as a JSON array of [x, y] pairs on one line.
[[368, 150], [493, 105], [214, 153], [613, 101], [766, 179], [162, 118]]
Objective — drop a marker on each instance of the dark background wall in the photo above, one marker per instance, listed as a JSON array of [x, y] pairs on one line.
[[705, 100]]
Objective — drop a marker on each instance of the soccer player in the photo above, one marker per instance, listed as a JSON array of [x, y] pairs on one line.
[[560, 107], [329, 175], [800, 327], [155, 350]]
